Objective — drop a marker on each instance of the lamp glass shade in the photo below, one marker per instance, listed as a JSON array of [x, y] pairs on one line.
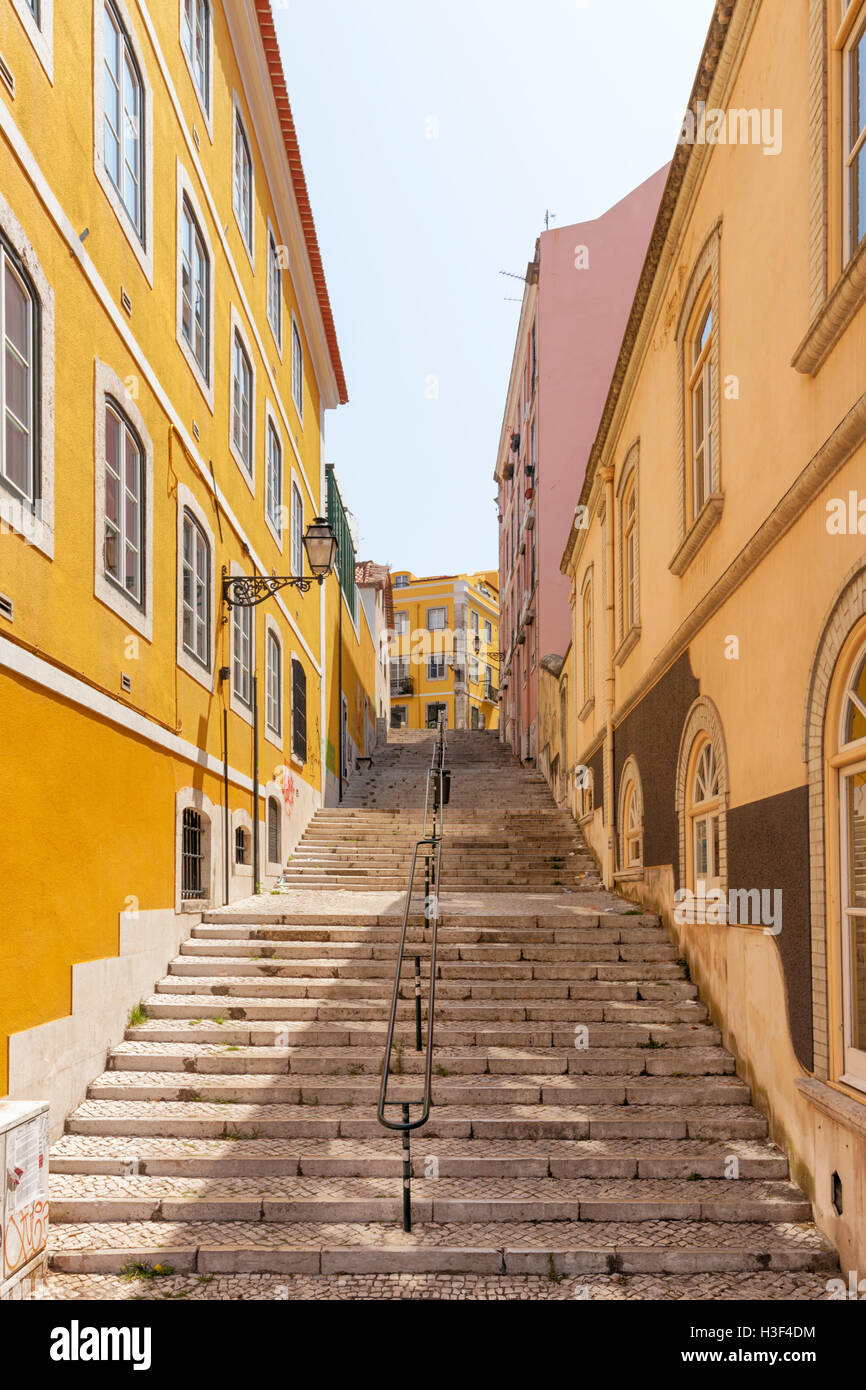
[[320, 544]]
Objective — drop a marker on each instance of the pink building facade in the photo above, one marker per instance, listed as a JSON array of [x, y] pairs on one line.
[[579, 290]]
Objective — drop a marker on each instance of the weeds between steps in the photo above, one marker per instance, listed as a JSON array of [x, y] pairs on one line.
[[137, 1015], [138, 1269]]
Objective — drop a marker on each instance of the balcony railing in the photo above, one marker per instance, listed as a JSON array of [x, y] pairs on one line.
[[402, 685], [491, 693]]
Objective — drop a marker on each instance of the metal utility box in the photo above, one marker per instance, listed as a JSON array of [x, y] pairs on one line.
[[24, 1144]]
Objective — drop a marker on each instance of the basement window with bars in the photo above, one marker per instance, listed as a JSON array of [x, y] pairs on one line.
[[192, 861], [240, 845]]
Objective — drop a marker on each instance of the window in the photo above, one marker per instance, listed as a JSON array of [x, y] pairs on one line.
[[195, 36], [242, 403], [631, 830], [274, 481], [195, 290], [401, 581], [275, 289], [488, 633], [436, 667], [196, 590], [274, 685], [242, 655], [848, 742], [193, 854], [299, 710], [399, 716], [474, 717], [401, 679], [436, 619], [473, 620], [123, 538], [240, 845], [34, 7], [243, 182], [401, 624], [700, 389], [297, 371], [274, 828], [19, 378], [704, 816], [629, 556], [433, 713], [297, 531], [123, 137], [588, 654], [854, 138]]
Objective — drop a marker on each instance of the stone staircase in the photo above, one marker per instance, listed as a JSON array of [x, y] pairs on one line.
[[587, 1121], [504, 832]]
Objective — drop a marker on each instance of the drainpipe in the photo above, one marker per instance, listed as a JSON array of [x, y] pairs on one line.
[[609, 866]]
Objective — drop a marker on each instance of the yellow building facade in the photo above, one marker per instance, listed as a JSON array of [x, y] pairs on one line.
[[445, 651], [708, 722], [170, 355]]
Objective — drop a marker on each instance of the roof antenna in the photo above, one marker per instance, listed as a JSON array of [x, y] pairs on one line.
[[547, 216]]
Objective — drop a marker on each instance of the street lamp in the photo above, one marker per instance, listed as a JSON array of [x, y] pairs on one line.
[[245, 591]]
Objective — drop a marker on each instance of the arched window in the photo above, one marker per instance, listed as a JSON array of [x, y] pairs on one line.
[[124, 119], [629, 556], [196, 590], [19, 382], [274, 837], [123, 542], [699, 369], [193, 854], [630, 818], [849, 758], [704, 815]]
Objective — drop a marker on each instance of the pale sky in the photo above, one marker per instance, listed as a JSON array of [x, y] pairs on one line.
[[435, 134]]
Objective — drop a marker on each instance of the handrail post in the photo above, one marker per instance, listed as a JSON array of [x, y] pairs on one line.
[[407, 1172]]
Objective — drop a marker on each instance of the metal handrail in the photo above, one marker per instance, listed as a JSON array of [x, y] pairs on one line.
[[432, 844]]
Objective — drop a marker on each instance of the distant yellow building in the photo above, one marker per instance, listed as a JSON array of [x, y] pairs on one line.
[[445, 652], [170, 354]]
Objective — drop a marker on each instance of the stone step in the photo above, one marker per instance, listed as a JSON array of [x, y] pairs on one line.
[[472, 1033], [228, 1058], [211, 1120], [338, 967], [482, 1089], [261, 1158], [485, 953], [328, 986], [316, 1007], [104, 1198], [679, 1247]]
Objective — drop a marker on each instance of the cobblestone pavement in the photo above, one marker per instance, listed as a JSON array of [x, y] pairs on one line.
[[375, 1287]]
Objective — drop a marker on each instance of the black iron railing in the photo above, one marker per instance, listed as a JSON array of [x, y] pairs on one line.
[[436, 798]]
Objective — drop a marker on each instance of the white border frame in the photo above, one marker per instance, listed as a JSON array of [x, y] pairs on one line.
[[299, 409], [106, 383], [236, 326], [271, 418], [184, 659], [271, 734], [143, 253], [37, 527], [278, 242], [40, 35], [238, 115], [185, 189], [207, 111], [192, 798], [236, 705]]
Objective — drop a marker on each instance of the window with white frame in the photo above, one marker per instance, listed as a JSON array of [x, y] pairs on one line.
[[401, 624], [436, 619], [196, 590], [629, 555], [274, 684], [854, 137], [297, 531], [488, 633], [275, 289], [243, 182], [297, 371], [124, 519], [274, 480], [436, 667], [195, 290], [704, 812], [588, 654], [700, 391], [242, 403], [401, 581], [124, 143], [19, 383], [195, 29], [242, 655]]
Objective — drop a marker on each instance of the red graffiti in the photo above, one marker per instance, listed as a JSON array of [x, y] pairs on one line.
[[288, 790]]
